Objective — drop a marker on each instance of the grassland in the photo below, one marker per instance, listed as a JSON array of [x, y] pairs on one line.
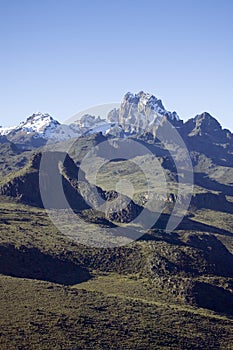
[[40, 315], [58, 294]]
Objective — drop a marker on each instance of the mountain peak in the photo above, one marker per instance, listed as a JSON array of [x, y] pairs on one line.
[[144, 101], [205, 123], [143, 98], [208, 128], [38, 122], [205, 119], [143, 112], [38, 117]]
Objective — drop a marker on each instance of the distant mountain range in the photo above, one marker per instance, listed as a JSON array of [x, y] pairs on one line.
[[139, 114]]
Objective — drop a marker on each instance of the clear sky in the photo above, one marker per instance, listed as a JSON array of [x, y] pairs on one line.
[[62, 56]]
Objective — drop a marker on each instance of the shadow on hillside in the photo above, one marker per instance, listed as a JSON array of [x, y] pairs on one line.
[[203, 180], [217, 153], [32, 263], [188, 224], [212, 201], [216, 254], [191, 225], [161, 235], [213, 298]]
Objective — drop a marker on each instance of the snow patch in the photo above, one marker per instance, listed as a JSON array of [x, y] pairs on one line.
[[6, 131]]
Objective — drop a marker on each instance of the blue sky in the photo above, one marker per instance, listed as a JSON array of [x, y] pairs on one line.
[[62, 56]]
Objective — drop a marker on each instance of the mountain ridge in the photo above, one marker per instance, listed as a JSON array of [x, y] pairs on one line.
[[138, 113]]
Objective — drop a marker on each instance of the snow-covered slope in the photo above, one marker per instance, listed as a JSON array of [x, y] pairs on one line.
[[5, 131], [40, 126], [39, 123], [89, 124]]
